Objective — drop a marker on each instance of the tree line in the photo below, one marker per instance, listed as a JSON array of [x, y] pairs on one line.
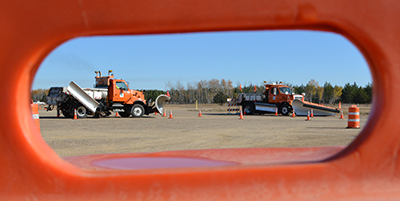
[[350, 93], [214, 91], [217, 91], [39, 95]]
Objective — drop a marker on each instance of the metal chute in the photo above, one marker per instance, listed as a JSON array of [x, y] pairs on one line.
[[78, 93], [301, 109], [158, 104]]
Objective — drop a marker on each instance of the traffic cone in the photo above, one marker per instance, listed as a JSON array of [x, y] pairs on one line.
[[276, 111], [200, 113], [308, 116], [293, 113], [341, 114], [75, 117], [155, 113], [241, 114], [164, 114], [170, 114], [312, 113], [117, 115]]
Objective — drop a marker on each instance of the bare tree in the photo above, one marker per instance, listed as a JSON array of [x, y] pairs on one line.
[[337, 92], [319, 92], [311, 89], [230, 88]]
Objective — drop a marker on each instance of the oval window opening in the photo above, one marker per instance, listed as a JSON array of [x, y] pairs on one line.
[[225, 89]]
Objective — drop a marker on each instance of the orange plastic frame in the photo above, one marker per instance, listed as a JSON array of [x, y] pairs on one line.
[[30, 170]]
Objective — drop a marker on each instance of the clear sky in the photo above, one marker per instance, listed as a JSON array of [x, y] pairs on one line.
[[153, 61]]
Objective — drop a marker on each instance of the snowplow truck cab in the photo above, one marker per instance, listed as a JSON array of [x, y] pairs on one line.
[[120, 98], [281, 96], [125, 100]]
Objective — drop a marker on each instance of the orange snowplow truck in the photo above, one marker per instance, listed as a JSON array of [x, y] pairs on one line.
[[109, 95], [278, 97]]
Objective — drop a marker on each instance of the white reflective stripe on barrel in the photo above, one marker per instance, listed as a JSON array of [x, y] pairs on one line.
[[354, 120], [354, 113], [35, 116]]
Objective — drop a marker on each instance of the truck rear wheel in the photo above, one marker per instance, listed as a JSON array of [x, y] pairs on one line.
[[66, 110], [66, 113], [137, 110], [248, 108], [81, 111], [125, 114]]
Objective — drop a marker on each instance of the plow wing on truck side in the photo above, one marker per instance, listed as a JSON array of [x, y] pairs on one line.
[[265, 107], [301, 108]]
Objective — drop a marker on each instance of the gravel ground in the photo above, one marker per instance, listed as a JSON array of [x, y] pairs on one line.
[[186, 131]]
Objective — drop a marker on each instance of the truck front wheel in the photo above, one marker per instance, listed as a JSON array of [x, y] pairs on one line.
[[284, 109], [137, 110]]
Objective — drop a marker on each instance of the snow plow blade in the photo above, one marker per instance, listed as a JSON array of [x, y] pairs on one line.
[[301, 109], [158, 104], [265, 107]]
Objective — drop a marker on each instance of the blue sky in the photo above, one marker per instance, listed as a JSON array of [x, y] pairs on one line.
[[153, 61]]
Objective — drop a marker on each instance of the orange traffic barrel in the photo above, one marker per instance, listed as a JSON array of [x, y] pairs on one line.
[[353, 117], [35, 114]]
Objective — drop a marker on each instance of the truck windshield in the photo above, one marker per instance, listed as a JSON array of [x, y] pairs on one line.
[[285, 90], [122, 85]]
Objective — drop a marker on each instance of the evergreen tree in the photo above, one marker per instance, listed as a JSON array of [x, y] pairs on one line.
[[153, 94], [360, 96], [368, 91], [348, 92], [328, 95], [220, 98], [299, 89]]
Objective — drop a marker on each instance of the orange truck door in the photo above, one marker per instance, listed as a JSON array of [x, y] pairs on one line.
[[118, 91], [273, 93]]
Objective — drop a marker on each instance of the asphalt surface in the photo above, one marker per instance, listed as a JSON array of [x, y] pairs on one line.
[[186, 131]]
